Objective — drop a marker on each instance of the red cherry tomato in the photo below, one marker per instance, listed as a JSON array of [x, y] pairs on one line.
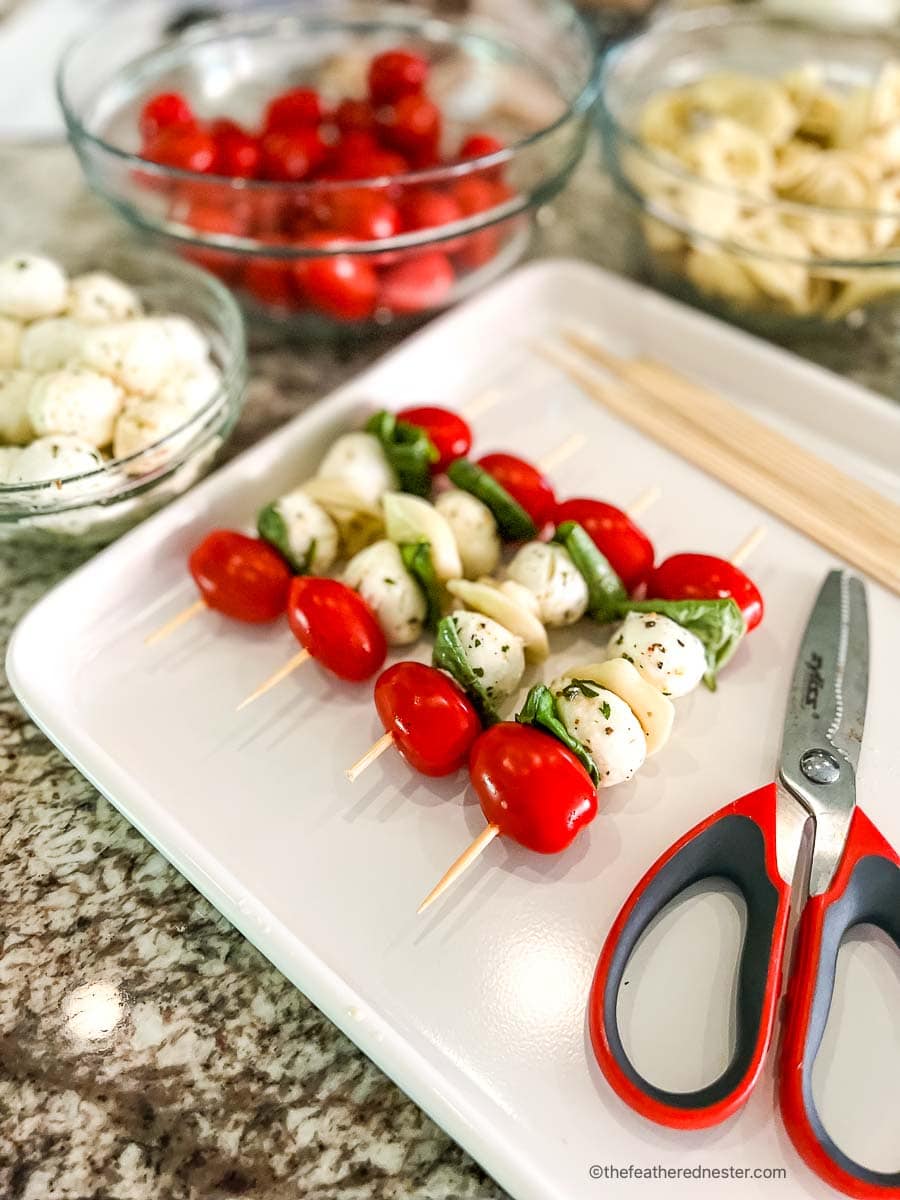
[[447, 431], [298, 108], [527, 486], [417, 284], [705, 577], [162, 111], [412, 125], [355, 116], [183, 147], [396, 73], [271, 280], [426, 208], [343, 285], [476, 194], [240, 576], [292, 155], [216, 219], [352, 161], [431, 719], [629, 550], [238, 153], [531, 786], [363, 214], [336, 626], [479, 145]]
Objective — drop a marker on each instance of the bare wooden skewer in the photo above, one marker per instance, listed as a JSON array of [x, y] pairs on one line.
[[487, 835], [282, 673], [481, 403], [375, 751], [181, 618], [555, 458]]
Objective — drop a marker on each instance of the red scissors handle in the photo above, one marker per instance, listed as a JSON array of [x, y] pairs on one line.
[[865, 890], [737, 843]]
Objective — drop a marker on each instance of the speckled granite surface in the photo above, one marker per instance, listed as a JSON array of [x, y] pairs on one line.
[[148, 1052]]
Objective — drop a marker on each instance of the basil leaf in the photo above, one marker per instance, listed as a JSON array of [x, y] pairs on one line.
[[580, 687], [272, 528], [513, 521], [418, 561], [449, 655], [540, 710], [409, 450], [719, 624], [606, 592]]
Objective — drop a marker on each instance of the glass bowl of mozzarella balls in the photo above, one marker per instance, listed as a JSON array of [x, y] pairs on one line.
[[759, 157], [119, 383]]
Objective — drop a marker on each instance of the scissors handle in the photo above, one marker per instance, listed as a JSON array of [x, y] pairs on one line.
[[865, 890], [738, 843]]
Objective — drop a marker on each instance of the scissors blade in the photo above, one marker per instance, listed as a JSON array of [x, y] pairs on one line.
[[825, 717]]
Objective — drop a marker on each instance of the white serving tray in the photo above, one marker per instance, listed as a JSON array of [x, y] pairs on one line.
[[477, 1009]]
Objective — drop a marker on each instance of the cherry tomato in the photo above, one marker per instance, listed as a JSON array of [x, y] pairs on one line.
[[479, 145], [417, 284], [446, 430], [412, 125], [431, 719], [705, 577], [629, 550], [271, 280], [361, 213], [336, 626], [396, 73], [343, 285], [426, 208], [240, 576], [162, 111], [476, 194], [356, 162], [292, 155], [527, 486], [355, 116], [298, 108], [531, 786], [183, 147], [238, 153], [216, 219]]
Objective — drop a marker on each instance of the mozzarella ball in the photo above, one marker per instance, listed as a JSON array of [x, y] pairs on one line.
[[547, 571], [380, 577], [665, 653], [32, 287], [98, 297], [605, 725], [496, 656], [55, 457], [358, 460], [144, 421], [10, 342], [136, 354], [15, 391], [77, 402], [51, 343], [309, 538], [9, 456], [193, 386], [474, 529], [188, 343]]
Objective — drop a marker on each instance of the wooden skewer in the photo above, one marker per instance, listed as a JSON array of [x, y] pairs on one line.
[[565, 450], [481, 403], [374, 751], [644, 501], [748, 545], [462, 864], [282, 673], [182, 618]]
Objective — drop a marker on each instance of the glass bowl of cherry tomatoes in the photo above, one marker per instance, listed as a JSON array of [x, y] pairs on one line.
[[337, 164]]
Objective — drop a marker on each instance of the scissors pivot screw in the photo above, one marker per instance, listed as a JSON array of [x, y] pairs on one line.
[[820, 766]]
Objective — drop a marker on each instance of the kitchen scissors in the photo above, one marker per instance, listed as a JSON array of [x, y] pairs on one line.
[[754, 843]]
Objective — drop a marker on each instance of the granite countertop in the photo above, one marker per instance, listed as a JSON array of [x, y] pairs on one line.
[[148, 1051]]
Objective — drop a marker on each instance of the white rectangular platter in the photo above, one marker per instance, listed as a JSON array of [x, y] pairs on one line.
[[477, 1009]]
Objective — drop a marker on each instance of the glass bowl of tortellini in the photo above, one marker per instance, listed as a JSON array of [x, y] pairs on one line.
[[760, 158], [120, 380]]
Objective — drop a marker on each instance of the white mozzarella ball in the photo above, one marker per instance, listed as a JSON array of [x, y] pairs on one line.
[[32, 287], [144, 421], [55, 457], [98, 297], [379, 575], [16, 387], [9, 456], [75, 401], [358, 460], [547, 571], [193, 386], [10, 343], [136, 354], [605, 725], [188, 343], [475, 530], [665, 653], [496, 656], [309, 539], [51, 343]]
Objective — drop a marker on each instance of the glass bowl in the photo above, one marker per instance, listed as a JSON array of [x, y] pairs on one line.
[[99, 505], [799, 255], [527, 75]]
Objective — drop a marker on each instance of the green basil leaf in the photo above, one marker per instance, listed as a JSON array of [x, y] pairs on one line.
[[513, 521], [449, 655], [719, 624], [418, 561], [540, 711], [409, 450], [272, 528], [580, 687], [606, 592]]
